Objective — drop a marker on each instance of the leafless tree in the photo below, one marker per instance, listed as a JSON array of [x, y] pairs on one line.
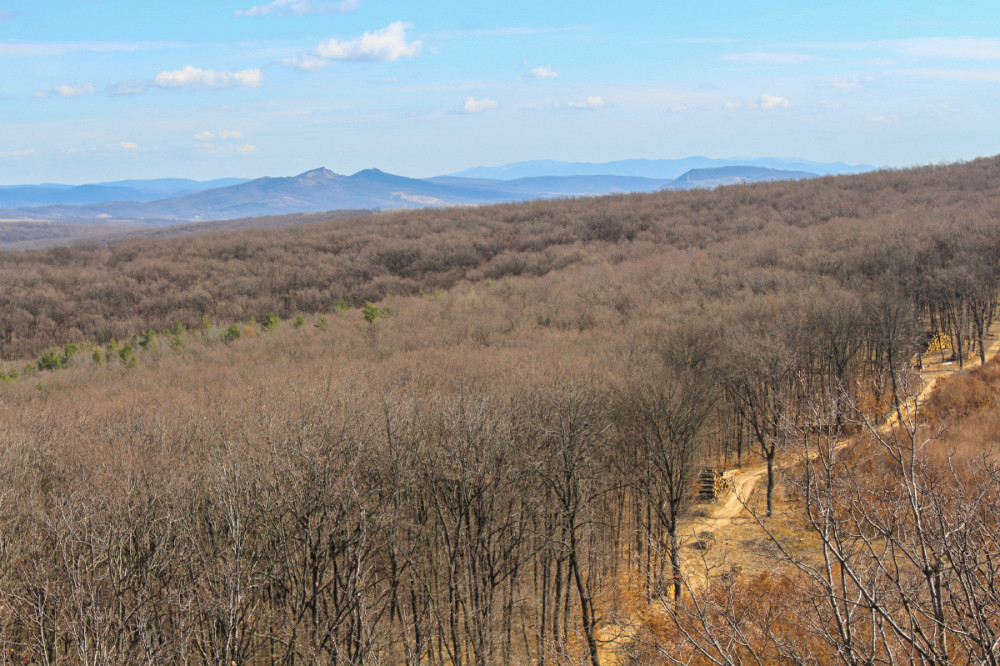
[[660, 414]]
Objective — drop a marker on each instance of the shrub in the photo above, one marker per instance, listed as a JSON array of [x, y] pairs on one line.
[[372, 312], [322, 323], [127, 355], [271, 322], [51, 360], [230, 334], [299, 321], [150, 341]]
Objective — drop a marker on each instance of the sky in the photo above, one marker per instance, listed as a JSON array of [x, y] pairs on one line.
[[100, 90]]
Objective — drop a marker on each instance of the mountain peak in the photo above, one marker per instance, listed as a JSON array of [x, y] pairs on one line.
[[373, 172], [321, 172]]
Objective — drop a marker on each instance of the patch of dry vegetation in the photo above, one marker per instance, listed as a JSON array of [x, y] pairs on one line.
[[477, 474], [759, 238]]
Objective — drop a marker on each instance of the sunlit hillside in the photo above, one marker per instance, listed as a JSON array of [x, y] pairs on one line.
[[472, 435]]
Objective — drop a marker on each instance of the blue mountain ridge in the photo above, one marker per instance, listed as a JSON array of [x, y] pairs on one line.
[[662, 168], [322, 189]]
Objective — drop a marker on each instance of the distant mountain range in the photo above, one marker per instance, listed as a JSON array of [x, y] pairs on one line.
[[22, 196], [669, 169], [174, 200]]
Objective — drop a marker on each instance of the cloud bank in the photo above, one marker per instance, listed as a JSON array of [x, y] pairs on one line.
[[220, 136], [473, 105], [592, 102], [386, 45], [67, 91], [192, 77], [543, 72], [299, 8], [761, 58], [773, 102]]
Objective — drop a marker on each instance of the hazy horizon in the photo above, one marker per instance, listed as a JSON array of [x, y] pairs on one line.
[[108, 90]]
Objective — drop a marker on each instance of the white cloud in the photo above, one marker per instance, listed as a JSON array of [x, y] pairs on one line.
[[773, 102], [18, 153], [65, 48], [72, 90], [767, 102], [846, 84], [702, 40], [129, 145], [385, 45], [592, 102], [215, 149], [192, 77], [127, 88], [500, 32], [543, 72], [473, 105], [971, 48], [220, 136], [966, 75], [680, 108], [306, 63], [41, 94], [300, 8], [959, 48], [763, 58]]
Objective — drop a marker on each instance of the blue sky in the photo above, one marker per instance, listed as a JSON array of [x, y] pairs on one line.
[[97, 90]]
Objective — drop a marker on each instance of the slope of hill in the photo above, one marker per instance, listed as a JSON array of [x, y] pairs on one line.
[[478, 449], [401, 252], [37, 234]]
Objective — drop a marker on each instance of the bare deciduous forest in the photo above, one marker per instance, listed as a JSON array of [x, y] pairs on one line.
[[493, 461]]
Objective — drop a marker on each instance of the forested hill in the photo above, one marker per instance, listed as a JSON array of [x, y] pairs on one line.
[[847, 228], [492, 460]]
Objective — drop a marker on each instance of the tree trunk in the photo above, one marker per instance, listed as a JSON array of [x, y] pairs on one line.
[[675, 563], [586, 606], [770, 481]]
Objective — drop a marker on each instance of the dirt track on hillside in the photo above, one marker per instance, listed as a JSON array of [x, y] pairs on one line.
[[734, 526]]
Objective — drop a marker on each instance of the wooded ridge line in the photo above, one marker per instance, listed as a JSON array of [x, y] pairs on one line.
[[485, 454]]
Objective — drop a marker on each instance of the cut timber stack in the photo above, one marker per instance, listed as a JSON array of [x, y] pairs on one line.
[[938, 342], [705, 488]]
